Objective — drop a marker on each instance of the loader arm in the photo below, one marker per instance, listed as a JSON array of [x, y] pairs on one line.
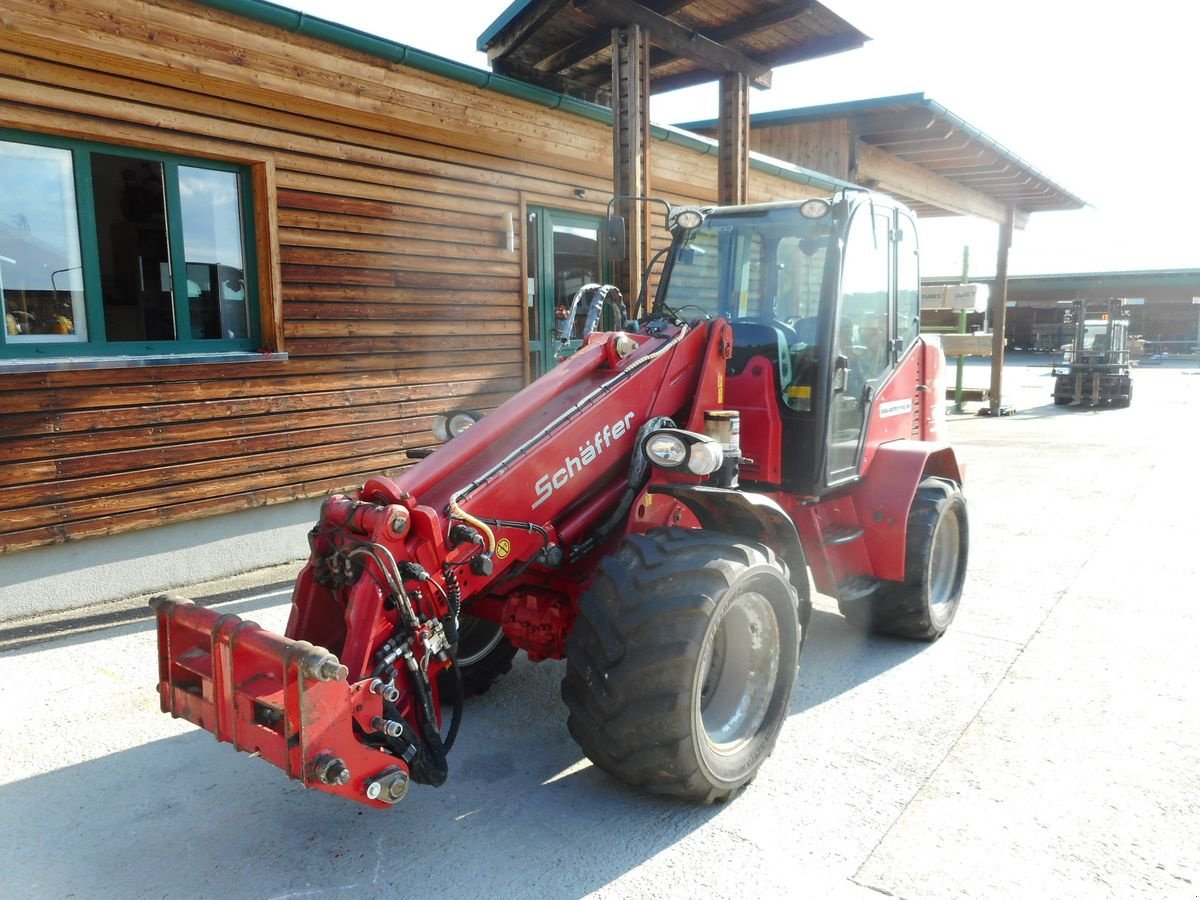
[[496, 524]]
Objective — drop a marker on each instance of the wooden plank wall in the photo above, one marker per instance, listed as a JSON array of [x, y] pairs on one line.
[[821, 146], [400, 297]]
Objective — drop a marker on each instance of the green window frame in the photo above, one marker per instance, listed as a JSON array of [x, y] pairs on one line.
[[91, 338]]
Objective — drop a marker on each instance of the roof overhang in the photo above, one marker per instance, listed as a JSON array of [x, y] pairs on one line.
[[567, 44], [916, 149]]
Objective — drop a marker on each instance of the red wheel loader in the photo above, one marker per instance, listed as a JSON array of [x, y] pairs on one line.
[[651, 510]]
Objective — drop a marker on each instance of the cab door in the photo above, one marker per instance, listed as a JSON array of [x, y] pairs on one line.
[[563, 254], [863, 349]]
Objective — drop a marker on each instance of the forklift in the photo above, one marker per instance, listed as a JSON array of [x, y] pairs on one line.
[[1095, 368]]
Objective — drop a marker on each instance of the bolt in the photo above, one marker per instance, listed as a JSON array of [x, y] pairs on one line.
[[323, 667], [331, 770], [389, 786]]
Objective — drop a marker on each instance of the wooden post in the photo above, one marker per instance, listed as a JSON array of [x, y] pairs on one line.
[[631, 150], [733, 139], [1000, 307]]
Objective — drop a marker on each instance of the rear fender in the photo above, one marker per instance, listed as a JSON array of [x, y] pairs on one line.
[[748, 515], [884, 497]]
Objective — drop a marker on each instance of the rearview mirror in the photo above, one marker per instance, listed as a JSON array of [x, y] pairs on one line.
[[614, 238]]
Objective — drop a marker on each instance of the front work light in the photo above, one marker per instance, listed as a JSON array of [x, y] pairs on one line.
[[687, 219], [452, 424], [683, 451], [815, 208]]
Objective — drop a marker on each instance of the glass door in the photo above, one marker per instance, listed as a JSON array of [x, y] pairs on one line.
[[862, 350], [564, 254]]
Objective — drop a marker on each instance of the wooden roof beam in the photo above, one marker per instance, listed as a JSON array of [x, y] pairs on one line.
[[888, 173], [811, 50], [771, 18], [680, 41], [589, 45]]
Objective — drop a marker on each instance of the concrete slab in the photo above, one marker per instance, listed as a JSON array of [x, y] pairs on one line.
[[1048, 746]]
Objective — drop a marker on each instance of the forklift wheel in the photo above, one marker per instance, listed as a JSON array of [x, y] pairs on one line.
[[923, 605], [682, 663]]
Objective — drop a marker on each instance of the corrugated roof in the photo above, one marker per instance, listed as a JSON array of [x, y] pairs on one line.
[[921, 131]]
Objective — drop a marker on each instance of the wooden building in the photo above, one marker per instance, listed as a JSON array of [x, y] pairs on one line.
[[366, 236]]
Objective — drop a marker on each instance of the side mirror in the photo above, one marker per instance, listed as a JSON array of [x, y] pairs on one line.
[[614, 238]]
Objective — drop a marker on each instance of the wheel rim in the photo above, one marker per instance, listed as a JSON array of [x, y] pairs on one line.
[[476, 639], [738, 673], [943, 565]]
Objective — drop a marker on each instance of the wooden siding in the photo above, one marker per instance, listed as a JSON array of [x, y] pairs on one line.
[[384, 194], [821, 146]]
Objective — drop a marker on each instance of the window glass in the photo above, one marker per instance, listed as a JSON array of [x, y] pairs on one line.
[[41, 284], [212, 244], [908, 284], [105, 250], [801, 262], [861, 339], [576, 263], [693, 286], [863, 326], [135, 259]]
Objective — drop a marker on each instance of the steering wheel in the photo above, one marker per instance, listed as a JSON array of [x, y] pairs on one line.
[[788, 331]]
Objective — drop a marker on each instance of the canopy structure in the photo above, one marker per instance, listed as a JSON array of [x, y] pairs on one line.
[[913, 148], [619, 52], [568, 45]]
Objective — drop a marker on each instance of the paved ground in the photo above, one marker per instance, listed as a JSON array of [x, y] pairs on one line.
[[1048, 746]]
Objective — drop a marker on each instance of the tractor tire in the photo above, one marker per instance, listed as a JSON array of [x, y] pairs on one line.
[[923, 605], [483, 654], [1123, 402], [682, 663]]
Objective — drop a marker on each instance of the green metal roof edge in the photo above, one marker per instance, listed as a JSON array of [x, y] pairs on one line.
[[403, 54], [812, 113], [502, 21], [851, 107]]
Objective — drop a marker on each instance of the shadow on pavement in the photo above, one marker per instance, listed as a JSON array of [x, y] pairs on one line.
[[522, 814]]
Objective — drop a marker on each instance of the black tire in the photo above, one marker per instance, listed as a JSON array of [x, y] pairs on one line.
[[923, 605], [1064, 390], [483, 653], [1123, 402], [682, 663]]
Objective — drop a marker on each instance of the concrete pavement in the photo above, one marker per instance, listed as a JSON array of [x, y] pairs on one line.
[[1048, 746]]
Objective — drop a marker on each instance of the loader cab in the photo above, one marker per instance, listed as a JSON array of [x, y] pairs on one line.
[[827, 294]]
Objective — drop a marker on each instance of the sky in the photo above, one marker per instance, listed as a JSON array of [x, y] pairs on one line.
[[1102, 99]]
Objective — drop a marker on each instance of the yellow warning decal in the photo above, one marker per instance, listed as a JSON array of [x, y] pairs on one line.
[[720, 388], [503, 548], [802, 391]]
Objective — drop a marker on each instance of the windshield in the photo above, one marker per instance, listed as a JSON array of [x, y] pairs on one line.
[[764, 265]]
